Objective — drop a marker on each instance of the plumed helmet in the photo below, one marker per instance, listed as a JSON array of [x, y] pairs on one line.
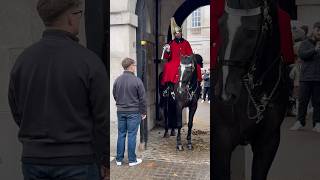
[[174, 27]]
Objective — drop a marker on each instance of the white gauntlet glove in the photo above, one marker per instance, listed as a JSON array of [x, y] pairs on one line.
[[167, 47]]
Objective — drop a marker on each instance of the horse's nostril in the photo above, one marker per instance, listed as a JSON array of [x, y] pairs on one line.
[[225, 97], [228, 97]]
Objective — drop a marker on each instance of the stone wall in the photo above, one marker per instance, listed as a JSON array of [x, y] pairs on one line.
[[308, 11], [123, 27]]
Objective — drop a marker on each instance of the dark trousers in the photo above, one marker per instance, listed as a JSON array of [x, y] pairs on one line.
[[60, 172], [309, 90], [206, 90]]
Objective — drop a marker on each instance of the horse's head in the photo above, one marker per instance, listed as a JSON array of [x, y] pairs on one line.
[[187, 71], [241, 27]]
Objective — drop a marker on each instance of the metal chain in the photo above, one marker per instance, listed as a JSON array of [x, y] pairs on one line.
[[192, 92], [264, 101], [249, 81]]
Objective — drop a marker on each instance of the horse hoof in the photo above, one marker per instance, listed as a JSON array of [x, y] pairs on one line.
[[166, 135], [173, 133], [190, 147], [179, 147]]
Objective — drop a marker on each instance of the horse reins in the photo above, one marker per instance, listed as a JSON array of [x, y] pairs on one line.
[[248, 79]]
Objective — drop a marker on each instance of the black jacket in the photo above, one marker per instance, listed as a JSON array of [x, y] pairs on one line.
[[129, 94], [58, 98], [310, 69], [206, 79]]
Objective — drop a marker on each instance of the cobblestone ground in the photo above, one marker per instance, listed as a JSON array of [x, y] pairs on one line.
[[161, 160]]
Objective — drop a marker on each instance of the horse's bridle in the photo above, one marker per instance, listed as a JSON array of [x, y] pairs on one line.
[[264, 28], [247, 80], [182, 69]]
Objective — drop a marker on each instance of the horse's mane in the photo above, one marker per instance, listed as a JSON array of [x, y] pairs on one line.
[[194, 79]]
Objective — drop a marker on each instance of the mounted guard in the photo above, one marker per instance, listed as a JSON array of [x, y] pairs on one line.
[[176, 49]]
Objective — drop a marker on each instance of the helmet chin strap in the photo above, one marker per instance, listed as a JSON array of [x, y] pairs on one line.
[[178, 39]]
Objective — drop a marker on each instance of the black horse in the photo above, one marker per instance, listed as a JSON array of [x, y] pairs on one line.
[[164, 104], [185, 93], [251, 93]]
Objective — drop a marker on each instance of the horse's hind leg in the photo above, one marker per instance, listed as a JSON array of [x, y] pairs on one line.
[[166, 124], [166, 133], [192, 111], [264, 150], [173, 132]]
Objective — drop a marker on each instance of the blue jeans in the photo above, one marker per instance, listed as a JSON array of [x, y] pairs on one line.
[[127, 122], [60, 172]]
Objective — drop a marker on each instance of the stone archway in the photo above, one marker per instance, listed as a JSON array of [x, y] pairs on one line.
[[185, 10], [129, 24]]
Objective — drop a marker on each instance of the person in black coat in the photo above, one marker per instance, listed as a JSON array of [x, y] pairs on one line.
[[59, 99], [309, 53], [206, 86]]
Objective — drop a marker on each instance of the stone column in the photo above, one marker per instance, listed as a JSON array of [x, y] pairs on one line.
[[308, 11]]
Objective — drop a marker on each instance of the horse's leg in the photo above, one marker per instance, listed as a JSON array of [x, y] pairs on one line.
[[166, 119], [222, 150], [264, 149], [173, 132], [179, 144], [192, 111], [179, 125], [173, 114]]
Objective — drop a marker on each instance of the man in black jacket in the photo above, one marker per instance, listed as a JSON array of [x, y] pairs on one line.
[[58, 98], [129, 93], [309, 53], [206, 86]]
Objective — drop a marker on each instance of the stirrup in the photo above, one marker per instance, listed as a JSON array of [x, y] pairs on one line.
[[165, 93], [173, 95]]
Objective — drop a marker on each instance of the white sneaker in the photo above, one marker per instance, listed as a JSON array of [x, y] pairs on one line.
[[296, 126], [202, 101], [209, 101], [118, 163], [316, 128], [135, 163]]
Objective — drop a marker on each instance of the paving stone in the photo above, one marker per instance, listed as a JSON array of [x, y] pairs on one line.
[[161, 160]]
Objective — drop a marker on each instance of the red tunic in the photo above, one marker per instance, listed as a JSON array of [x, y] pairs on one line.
[[171, 68], [286, 37], [217, 10]]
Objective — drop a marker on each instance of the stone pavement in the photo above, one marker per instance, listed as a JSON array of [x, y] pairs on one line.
[[298, 154], [161, 160], [298, 157]]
